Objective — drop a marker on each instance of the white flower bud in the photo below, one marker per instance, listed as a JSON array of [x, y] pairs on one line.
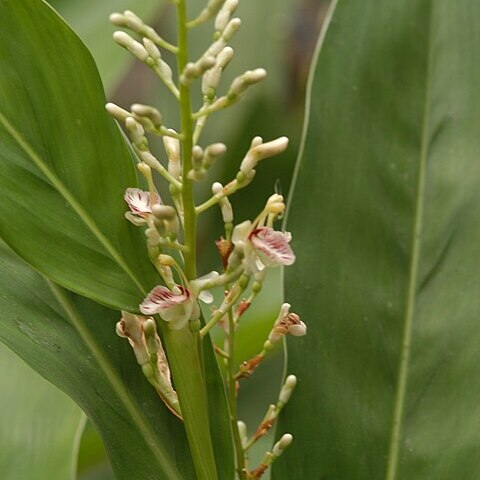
[[287, 389], [149, 112], [282, 444], [227, 211], [242, 430], [152, 49], [134, 47], [262, 151], [117, 112], [224, 57], [250, 77], [135, 129], [117, 19], [217, 187], [134, 21], [231, 29], [269, 149], [197, 156], [256, 142], [172, 149], [224, 14], [164, 71], [212, 152]]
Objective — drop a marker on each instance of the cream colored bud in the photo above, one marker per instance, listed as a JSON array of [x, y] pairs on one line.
[[117, 19], [224, 57], [135, 129], [282, 444], [217, 188], [152, 49], [117, 112], [227, 211], [134, 20], [166, 260], [242, 430], [287, 389], [224, 14], [134, 47], [164, 71], [250, 77], [262, 151], [231, 29], [172, 147], [149, 112], [197, 156], [270, 149], [149, 159]]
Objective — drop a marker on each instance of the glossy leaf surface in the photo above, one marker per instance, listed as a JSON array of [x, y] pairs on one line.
[[71, 341], [40, 427], [64, 163], [386, 222]]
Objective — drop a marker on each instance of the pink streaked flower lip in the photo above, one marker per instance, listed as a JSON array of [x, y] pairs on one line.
[[139, 201], [161, 298], [274, 245]]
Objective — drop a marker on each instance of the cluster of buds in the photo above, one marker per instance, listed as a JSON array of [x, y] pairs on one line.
[[247, 250], [141, 333]]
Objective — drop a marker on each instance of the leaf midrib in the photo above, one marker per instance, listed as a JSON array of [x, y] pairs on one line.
[[401, 387], [140, 421], [72, 201]]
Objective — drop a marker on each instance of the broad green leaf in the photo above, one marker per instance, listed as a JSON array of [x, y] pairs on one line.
[[64, 164], [386, 222], [64, 169], [89, 18], [72, 342], [40, 427]]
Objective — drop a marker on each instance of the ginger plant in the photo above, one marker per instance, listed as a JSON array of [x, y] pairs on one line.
[[247, 250]]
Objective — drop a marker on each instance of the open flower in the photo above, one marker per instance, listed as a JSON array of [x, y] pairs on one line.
[[263, 246], [175, 306], [139, 202], [272, 247], [287, 323]]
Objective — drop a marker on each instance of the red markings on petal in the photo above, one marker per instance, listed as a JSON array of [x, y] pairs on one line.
[[161, 298], [139, 201], [274, 245]]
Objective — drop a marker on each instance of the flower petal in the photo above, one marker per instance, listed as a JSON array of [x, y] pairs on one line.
[[161, 299], [139, 201], [272, 246]]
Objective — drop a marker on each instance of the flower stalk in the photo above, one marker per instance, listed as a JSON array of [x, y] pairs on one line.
[[247, 251]]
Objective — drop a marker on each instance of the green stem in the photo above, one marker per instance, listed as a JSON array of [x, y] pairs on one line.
[[190, 218], [183, 352], [232, 399]]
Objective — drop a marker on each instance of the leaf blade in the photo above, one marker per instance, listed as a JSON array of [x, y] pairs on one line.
[[55, 337], [394, 233], [55, 127]]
